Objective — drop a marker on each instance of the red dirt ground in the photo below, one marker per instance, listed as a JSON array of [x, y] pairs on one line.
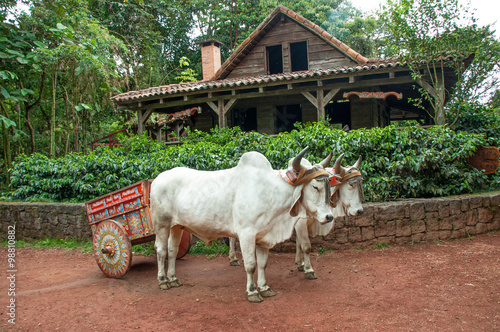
[[445, 286]]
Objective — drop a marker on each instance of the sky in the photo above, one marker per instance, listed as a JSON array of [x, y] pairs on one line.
[[486, 11]]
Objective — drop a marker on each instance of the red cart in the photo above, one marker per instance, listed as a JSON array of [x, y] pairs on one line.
[[118, 221]]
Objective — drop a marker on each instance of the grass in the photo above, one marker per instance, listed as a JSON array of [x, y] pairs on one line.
[[50, 242], [217, 248], [147, 249], [380, 246]]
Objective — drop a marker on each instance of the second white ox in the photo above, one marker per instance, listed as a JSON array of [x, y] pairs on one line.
[[250, 201], [347, 200]]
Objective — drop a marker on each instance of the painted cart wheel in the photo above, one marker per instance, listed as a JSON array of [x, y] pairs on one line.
[[112, 249], [184, 245]]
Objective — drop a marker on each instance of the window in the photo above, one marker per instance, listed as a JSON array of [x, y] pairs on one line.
[[286, 116], [274, 59], [298, 56], [245, 118]]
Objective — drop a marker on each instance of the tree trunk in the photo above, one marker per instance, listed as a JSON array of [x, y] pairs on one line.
[[53, 118], [7, 156]]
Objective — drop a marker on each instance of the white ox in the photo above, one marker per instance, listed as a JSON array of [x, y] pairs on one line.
[[347, 199], [250, 201]]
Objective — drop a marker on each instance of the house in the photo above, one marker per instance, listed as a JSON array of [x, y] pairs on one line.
[[288, 70]]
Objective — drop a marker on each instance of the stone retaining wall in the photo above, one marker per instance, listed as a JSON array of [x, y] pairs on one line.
[[404, 221]]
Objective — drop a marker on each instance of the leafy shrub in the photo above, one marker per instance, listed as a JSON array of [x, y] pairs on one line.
[[480, 119], [398, 163]]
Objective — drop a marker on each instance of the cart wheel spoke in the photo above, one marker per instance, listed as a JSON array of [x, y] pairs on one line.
[[112, 249]]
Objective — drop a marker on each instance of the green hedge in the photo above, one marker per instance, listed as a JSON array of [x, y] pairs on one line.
[[398, 163]]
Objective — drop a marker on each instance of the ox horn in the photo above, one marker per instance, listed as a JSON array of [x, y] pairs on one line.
[[358, 163], [327, 160], [337, 166], [296, 160]]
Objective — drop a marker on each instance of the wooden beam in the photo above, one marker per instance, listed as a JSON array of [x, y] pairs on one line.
[[310, 97], [329, 96], [277, 92]]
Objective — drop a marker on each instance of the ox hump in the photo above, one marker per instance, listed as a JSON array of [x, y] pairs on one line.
[[254, 159]]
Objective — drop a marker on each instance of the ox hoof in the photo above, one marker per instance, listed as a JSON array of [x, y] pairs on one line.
[[300, 268], [255, 298], [234, 263], [164, 285], [267, 293], [311, 275], [175, 283]]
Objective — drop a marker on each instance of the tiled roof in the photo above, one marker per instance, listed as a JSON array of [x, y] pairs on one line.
[[371, 66]]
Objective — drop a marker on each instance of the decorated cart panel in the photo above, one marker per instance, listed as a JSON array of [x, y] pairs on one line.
[[128, 206], [120, 219]]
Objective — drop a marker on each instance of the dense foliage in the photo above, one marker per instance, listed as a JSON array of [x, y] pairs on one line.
[[398, 163]]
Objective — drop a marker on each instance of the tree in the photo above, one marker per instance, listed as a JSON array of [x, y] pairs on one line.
[[433, 36]]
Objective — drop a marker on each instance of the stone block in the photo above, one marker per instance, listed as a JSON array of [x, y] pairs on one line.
[[481, 228], [403, 228], [443, 208], [455, 207], [365, 219], [431, 221], [464, 204], [445, 235], [367, 233], [404, 240], [386, 239], [459, 221], [495, 200], [446, 223], [380, 228], [390, 226], [389, 211], [485, 215], [417, 226], [471, 230], [472, 217], [432, 235], [417, 211], [475, 202], [486, 201], [354, 234], [341, 235], [431, 206], [458, 233]]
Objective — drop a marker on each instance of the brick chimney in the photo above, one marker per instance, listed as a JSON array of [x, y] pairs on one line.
[[210, 57]]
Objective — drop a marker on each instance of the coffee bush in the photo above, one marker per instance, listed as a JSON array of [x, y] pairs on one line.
[[397, 163]]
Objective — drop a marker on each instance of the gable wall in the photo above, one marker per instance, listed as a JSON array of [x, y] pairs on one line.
[[320, 53]]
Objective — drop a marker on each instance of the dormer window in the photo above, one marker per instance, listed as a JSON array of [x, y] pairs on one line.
[[297, 53], [298, 56], [274, 59]]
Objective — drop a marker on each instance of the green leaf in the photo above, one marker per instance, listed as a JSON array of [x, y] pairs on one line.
[[61, 26], [39, 44], [22, 60], [7, 122], [5, 93]]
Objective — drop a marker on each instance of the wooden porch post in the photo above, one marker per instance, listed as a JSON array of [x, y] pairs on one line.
[[320, 101], [142, 117], [221, 109]]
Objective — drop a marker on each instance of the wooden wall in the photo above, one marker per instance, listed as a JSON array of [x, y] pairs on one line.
[[320, 53]]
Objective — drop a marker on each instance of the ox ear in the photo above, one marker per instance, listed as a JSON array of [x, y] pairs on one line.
[[297, 210]]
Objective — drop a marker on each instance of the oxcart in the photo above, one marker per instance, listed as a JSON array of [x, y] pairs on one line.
[[118, 221]]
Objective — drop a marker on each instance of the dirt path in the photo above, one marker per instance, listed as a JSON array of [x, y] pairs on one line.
[[448, 286]]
